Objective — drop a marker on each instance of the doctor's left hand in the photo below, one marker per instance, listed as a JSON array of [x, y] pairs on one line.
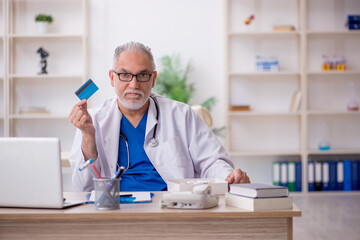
[[237, 176]]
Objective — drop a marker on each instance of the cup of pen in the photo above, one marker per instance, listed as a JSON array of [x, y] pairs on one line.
[[107, 193]]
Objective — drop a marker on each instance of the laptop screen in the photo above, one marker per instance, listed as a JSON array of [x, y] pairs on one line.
[[30, 173]]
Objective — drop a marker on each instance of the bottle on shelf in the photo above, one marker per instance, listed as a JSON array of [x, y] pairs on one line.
[[352, 105], [324, 144]]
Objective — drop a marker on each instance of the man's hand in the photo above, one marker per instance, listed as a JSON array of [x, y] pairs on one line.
[[81, 119], [237, 176]]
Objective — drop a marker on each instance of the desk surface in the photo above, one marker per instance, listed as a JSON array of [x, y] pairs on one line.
[[140, 210], [146, 221]]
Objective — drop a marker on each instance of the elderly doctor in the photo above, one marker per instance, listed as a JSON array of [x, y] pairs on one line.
[[153, 137]]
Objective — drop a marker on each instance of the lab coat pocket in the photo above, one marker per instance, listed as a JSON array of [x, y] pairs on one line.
[[173, 154]]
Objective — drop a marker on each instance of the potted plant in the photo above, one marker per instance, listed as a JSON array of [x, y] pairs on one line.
[[42, 22], [172, 83]]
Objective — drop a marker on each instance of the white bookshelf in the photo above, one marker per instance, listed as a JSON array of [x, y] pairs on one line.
[[23, 86], [269, 132], [2, 67]]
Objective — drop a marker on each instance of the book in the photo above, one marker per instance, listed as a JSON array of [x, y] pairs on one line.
[[258, 204], [295, 102], [127, 197], [240, 108], [282, 28], [258, 190]]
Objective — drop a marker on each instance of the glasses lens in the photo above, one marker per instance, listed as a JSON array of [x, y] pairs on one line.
[[125, 76], [143, 77]]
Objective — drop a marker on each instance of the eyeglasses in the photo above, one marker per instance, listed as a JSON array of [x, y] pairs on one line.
[[127, 77]]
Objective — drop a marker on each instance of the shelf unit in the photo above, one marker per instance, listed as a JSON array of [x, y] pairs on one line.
[[269, 132], [24, 87], [2, 67]]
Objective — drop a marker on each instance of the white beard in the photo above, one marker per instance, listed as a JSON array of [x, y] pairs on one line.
[[133, 105]]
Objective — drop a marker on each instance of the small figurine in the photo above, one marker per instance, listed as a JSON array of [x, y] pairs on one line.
[[249, 19], [43, 54]]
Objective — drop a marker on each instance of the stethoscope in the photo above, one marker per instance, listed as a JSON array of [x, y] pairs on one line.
[[153, 141]]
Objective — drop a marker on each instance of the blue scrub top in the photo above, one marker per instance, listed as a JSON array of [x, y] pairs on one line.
[[141, 175]]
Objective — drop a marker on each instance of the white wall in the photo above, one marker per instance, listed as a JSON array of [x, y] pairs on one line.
[[194, 29]]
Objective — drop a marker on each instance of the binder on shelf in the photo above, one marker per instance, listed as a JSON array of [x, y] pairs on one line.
[[311, 176], [340, 176], [276, 173], [325, 176], [291, 176], [283, 174], [318, 177], [298, 177], [347, 175], [332, 175], [354, 175]]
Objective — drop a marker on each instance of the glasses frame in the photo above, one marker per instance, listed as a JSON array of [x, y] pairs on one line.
[[132, 76]]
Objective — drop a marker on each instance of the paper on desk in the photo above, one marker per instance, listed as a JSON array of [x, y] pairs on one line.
[[137, 197]]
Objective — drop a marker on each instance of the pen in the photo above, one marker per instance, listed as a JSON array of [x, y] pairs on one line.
[[96, 171], [125, 195], [87, 163]]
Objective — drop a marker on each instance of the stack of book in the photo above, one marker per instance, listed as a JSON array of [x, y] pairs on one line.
[[258, 197]]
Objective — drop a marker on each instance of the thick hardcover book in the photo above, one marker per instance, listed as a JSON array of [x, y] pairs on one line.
[[258, 190], [258, 204]]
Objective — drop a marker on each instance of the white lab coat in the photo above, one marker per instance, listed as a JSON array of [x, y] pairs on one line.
[[187, 146]]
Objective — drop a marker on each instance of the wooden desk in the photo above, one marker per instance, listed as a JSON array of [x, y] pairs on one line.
[[145, 221]]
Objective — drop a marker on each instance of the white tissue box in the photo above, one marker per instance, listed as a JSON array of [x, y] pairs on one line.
[[218, 186]]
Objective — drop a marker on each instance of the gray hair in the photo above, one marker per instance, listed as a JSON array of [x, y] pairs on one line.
[[133, 47]]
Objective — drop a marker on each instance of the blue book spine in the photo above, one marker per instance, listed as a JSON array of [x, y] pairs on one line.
[[298, 177], [325, 186], [347, 175], [311, 176], [333, 175], [354, 175], [359, 173]]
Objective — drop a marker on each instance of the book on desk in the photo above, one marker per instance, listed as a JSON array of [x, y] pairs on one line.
[[258, 197]]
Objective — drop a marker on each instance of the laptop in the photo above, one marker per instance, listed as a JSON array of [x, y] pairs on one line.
[[31, 173]]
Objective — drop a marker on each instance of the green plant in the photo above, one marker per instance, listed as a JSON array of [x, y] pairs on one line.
[[43, 18], [172, 83]]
